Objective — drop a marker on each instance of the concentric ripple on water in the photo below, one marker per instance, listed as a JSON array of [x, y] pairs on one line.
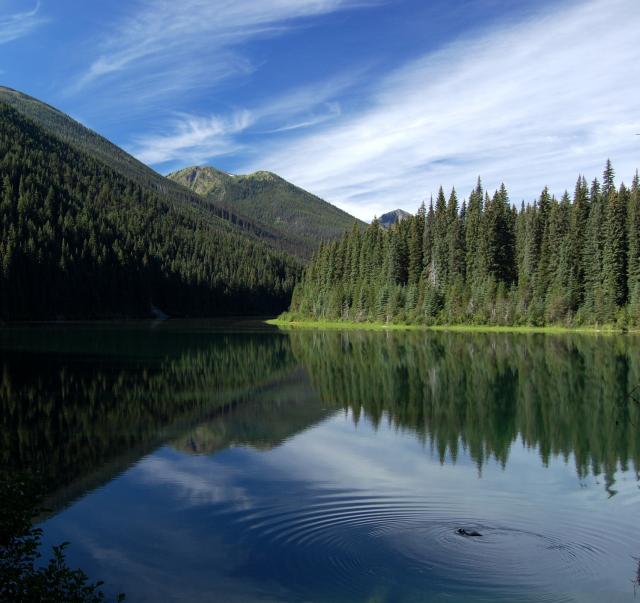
[[410, 544]]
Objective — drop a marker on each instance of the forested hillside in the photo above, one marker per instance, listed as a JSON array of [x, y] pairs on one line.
[[80, 238], [568, 261], [88, 142], [295, 214], [83, 139]]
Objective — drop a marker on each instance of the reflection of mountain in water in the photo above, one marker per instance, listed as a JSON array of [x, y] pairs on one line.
[[283, 409], [562, 394], [79, 405]]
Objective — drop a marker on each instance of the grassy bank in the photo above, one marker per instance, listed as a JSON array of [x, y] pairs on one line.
[[378, 326]]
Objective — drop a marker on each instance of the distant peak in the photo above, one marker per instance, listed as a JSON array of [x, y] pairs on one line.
[[201, 177], [198, 169], [392, 217]]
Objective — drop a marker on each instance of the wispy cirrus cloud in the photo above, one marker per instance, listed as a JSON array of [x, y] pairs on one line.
[[169, 47], [17, 25], [331, 111], [530, 103], [195, 139]]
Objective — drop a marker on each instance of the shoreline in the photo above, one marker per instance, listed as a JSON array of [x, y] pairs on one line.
[[459, 328]]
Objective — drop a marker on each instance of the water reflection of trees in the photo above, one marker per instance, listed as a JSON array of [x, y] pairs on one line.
[[78, 406], [564, 395], [100, 399]]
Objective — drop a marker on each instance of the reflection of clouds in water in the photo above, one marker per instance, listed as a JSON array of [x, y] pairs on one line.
[[194, 480], [340, 506], [118, 562], [333, 502], [361, 456], [111, 555], [345, 453], [424, 502], [370, 459], [337, 454], [171, 544]]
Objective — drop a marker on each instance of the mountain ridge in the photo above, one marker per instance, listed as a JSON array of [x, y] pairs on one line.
[[80, 238], [263, 204], [268, 198], [57, 123]]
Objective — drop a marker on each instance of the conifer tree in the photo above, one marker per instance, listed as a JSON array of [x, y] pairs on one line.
[[456, 255], [633, 239], [592, 260], [615, 257], [427, 242], [440, 228], [557, 302], [473, 231], [608, 180], [578, 225], [414, 250]]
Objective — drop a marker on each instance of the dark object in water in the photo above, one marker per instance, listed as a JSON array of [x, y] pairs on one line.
[[465, 532]]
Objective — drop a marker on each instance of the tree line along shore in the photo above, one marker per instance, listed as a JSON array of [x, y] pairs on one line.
[[569, 262]]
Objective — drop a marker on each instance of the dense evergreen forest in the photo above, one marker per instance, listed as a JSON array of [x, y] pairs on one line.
[[79, 239], [553, 262]]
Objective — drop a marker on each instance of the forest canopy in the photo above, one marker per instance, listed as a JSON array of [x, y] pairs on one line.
[[570, 261], [80, 239]]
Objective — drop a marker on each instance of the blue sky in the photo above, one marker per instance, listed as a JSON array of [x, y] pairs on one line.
[[371, 104]]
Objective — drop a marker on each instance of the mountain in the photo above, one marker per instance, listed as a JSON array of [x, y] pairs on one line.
[[55, 122], [86, 141], [292, 212], [270, 208], [392, 217], [86, 231]]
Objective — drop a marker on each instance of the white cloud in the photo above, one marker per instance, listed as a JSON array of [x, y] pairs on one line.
[[168, 46], [17, 25], [331, 111], [191, 139], [531, 103], [189, 480]]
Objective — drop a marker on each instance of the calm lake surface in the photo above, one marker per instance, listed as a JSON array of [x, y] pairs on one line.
[[233, 462]]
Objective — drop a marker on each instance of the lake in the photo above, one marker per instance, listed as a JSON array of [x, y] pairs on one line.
[[230, 461]]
